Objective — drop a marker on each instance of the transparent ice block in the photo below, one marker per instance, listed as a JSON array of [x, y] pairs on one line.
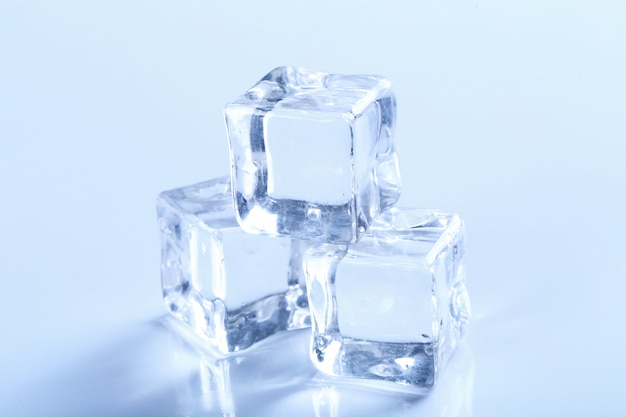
[[312, 154], [234, 289], [393, 306]]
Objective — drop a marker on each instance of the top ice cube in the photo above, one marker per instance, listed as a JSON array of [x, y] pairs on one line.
[[312, 154]]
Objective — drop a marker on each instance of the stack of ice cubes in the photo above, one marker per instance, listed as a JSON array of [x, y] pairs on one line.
[[304, 233]]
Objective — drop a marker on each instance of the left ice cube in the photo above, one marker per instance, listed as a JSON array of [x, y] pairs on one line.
[[232, 288]]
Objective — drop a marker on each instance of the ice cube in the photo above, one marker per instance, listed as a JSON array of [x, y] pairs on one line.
[[312, 154], [394, 305], [234, 289]]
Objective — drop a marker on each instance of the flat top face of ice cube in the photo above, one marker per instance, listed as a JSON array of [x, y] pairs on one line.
[[301, 89], [211, 201], [405, 236]]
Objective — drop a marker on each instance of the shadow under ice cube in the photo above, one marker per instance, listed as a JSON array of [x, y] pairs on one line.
[[312, 154], [232, 288], [394, 305]]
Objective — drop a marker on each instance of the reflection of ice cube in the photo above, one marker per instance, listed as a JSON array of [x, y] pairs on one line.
[[257, 382], [392, 306], [302, 140], [358, 397], [232, 288]]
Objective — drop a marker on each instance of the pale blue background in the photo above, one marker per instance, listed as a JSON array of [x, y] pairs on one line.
[[512, 115]]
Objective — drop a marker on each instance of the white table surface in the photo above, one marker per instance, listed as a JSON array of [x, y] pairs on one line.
[[512, 115]]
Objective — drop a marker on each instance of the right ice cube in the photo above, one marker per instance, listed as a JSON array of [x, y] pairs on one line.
[[312, 154], [394, 305]]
